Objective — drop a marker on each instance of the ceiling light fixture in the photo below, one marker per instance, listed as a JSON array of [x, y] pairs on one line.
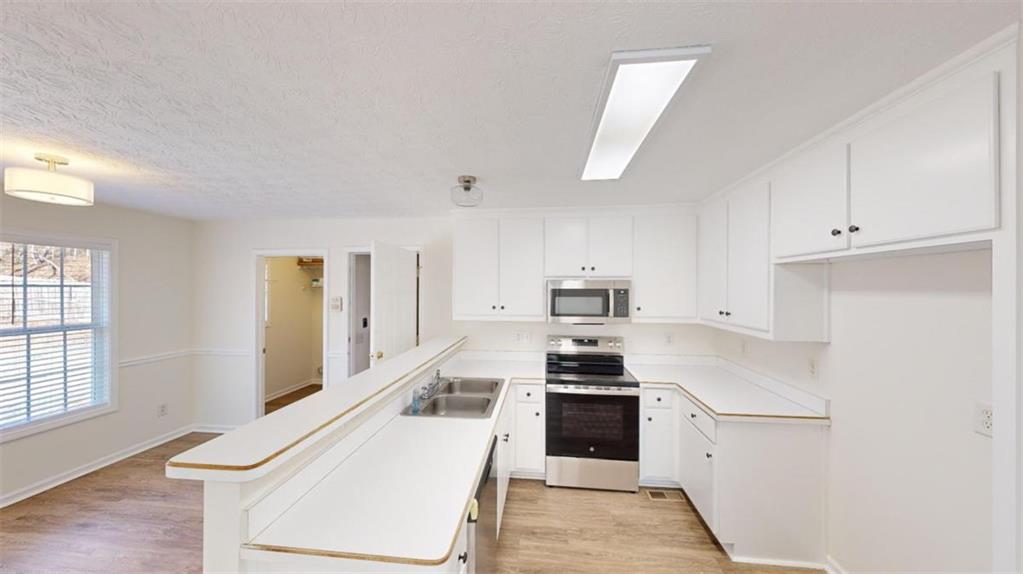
[[637, 89], [466, 193], [48, 186]]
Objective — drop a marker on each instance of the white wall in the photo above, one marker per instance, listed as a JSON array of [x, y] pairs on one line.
[[294, 339], [910, 482], [154, 298], [225, 296]]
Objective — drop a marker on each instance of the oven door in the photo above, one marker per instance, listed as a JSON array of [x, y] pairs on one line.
[[592, 423]]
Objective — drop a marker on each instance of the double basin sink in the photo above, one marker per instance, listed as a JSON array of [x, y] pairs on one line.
[[460, 398]]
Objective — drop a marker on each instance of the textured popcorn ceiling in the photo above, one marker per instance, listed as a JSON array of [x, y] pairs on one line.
[[317, 109]]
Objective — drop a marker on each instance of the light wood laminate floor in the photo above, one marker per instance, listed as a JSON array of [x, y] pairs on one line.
[[294, 396], [128, 517]]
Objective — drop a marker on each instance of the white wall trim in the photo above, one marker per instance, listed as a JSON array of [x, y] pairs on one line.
[[48, 483], [293, 388], [154, 358], [772, 562], [832, 567], [222, 352], [218, 429]]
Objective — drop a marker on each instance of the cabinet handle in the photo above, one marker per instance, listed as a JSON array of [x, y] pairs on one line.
[[836, 232], [650, 419], [728, 313], [505, 437], [463, 557], [709, 455], [854, 228], [721, 313], [692, 415]]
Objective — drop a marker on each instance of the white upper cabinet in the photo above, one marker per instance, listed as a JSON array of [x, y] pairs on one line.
[[712, 260], [808, 202], [610, 246], [498, 269], [749, 256], [475, 285], [929, 169], [565, 246], [522, 287], [664, 267], [588, 246]]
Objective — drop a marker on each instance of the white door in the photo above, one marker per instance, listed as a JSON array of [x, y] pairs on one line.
[[749, 256], [530, 450], [808, 202], [931, 171], [712, 260], [696, 470], [475, 268], [392, 301], [565, 246], [664, 267], [521, 268], [610, 246], [657, 445]]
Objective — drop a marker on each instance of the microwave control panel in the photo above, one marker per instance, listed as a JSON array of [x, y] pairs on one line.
[[621, 300]]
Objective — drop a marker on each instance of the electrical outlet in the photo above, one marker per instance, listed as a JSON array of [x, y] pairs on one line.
[[161, 410], [743, 346], [669, 339], [811, 366], [983, 418]]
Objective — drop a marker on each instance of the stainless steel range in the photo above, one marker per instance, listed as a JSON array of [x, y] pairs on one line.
[[592, 414]]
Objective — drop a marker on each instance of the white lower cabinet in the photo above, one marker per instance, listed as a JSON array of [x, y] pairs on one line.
[[530, 430], [505, 452], [758, 486], [657, 437]]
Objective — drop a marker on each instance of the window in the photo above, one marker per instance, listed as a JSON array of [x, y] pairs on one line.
[[54, 333]]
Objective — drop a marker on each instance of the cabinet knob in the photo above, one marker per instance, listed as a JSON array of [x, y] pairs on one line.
[[502, 307], [463, 557], [593, 449], [658, 399], [639, 308], [505, 437], [728, 313], [836, 232], [709, 455], [537, 414], [692, 415], [721, 312], [854, 228], [493, 306], [529, 394], [593, 268], [583, 268], [650, 419]]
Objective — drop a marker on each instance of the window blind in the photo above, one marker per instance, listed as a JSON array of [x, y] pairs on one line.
[[54, 331]]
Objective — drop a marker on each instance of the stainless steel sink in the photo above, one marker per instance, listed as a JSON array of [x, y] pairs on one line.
[[460, 398], [459, 386]]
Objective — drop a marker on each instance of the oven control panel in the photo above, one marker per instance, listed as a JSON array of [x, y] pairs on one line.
[[573, 344]]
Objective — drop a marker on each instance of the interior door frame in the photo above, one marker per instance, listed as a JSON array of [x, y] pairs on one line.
[[350, 255], [259, 257]]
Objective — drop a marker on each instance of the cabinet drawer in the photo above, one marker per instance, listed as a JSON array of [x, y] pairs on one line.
[[529, 393], [698, 418], [657, 398]]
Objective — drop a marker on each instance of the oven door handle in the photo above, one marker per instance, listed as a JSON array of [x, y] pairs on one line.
[[570, 390]]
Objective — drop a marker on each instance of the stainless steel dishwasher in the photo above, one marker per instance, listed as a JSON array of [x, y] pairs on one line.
[[483, 527]]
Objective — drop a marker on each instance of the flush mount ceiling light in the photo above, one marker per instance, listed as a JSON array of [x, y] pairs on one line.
[[466, 193], [638, 87], [47, 186]]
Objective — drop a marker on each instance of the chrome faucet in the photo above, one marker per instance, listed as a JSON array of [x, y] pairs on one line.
[[431, 389]]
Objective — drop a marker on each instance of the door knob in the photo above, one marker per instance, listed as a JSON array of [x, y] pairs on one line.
[[378, 355]]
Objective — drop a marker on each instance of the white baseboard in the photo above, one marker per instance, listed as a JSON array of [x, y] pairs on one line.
[[293, 388], [832, 567], [218, 429], [528, 475], [772, 562], [655, 483], [48, 483]]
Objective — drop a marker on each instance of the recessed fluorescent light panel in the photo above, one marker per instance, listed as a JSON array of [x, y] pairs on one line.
[[639, 86]]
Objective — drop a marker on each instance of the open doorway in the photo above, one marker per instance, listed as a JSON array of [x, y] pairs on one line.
[[359, 301], [292, 329]]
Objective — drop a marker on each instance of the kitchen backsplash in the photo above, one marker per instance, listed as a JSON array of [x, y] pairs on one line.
[[642, 338]]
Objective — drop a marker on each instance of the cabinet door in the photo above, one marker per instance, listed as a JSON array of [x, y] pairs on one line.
[[475, 268], [712, 261], [657, 445], [610, 246], [931, 170], [808, 202], [565, 246], [505, 454], [521, 274], [664, 266], [749, 257], [530, 449], [696, 470]]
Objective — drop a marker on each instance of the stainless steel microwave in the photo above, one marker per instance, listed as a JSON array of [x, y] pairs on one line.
[[587, 302]]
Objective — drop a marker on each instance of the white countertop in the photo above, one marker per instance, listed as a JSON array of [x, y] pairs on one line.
[[260, 446], [402, 496], [723, 393]]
